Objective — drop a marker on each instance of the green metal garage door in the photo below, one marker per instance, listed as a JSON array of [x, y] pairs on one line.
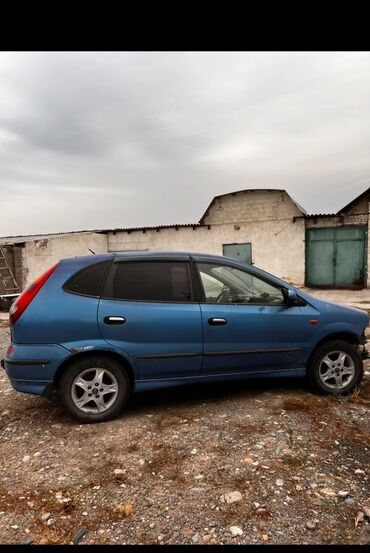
[[336, 256], [241, 252]]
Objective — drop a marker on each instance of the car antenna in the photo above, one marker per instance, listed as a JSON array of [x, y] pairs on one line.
[[91, 251]]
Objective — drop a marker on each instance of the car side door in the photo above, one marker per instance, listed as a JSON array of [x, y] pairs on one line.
[[147, 311], [247, 324]]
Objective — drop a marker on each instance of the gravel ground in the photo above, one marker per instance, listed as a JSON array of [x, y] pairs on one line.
[[256, 462]]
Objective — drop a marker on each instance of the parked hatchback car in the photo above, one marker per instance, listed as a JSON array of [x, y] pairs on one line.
[[93, 330]]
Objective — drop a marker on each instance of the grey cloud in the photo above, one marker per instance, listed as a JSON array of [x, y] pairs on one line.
[[119, 139]]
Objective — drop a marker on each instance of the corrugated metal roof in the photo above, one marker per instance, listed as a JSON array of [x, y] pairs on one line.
[[31, 237], [157, 227], [315, 215]]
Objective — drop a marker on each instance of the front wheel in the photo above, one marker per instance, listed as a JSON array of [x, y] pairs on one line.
[[335, 368], [94, 389]]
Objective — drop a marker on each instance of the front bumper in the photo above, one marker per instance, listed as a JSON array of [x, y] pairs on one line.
[[363, 347]]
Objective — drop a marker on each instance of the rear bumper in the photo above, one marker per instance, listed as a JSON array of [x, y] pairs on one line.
[[31, 369]]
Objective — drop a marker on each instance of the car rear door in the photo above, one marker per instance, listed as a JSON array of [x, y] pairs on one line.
[[247, 325], [147, 311]]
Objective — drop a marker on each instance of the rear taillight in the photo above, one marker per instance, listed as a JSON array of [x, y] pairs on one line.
[[27, 296]]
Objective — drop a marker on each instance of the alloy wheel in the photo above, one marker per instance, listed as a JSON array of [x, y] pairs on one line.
[[94, 390]]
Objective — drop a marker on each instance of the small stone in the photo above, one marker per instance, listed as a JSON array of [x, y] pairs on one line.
[[26, 459], [343, 494], [328, 491], [310, 525], [232, 497], [81, 533], [359, 471], [14, 526], [349, 501], [265, 537], [141, 462], [50, 521], [45, 516], [151, 525], [206, 538], [195, 538], [256, 505], [194, 451], [118, 471], [279, 482], [198, 490], [236, 531], [85, 514], [37, 454], [96, 488], [199, 477], [248, 460]]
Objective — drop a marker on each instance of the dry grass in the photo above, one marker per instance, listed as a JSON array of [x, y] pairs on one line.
[[361, 395]]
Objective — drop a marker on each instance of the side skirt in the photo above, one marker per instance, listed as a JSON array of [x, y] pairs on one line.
[[153, 384]]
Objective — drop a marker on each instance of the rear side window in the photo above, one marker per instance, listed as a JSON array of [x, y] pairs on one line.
[[149, 281], [89, 281]]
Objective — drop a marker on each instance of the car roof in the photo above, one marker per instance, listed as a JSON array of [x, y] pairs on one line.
[[139, 254]]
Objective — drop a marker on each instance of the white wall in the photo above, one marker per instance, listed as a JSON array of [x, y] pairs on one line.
[[265, 219], [39, 255]]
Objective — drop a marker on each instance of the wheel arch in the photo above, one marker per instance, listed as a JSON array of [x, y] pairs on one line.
[[345, 336], [52, 387]]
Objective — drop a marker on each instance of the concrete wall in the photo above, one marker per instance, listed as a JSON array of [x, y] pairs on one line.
[[39, 255], [262, 218]]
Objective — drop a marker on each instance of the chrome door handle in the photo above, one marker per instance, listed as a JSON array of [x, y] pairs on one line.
[[114, 320], [214, 321]]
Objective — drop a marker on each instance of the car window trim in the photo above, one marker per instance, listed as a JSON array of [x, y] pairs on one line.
[[164, 259]]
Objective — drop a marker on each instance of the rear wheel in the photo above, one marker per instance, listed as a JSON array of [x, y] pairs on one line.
[[94, 389], [335, 368]]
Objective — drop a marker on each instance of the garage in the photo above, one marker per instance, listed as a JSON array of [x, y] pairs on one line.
[[336, 257]]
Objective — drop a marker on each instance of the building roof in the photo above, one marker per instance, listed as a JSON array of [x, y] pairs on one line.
[[8, 240], [351, 203], [301, 209], [316, 215]]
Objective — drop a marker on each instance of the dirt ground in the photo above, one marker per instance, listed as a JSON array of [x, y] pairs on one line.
[[252, 462]]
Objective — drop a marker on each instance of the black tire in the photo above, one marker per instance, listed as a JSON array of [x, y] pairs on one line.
[[82, 366], [313, 370]]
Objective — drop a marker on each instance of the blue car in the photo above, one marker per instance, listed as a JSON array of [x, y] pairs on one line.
[[93, 330]]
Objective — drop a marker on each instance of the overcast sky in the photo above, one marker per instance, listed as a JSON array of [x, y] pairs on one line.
[[103, 140]]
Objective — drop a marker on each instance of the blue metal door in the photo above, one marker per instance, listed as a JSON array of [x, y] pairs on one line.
[[247, 325], [147, 312]]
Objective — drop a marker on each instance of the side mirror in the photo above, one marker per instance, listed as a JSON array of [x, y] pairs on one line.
[[291, 297]]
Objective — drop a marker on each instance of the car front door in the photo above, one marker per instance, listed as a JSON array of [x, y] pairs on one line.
[[147, 311], [247, 324]]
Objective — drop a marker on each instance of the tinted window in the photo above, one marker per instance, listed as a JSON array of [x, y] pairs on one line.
[[89, 281], [226, 284], [149, 281]]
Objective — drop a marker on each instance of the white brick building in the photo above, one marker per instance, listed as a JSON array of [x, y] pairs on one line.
[[264, 227]]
